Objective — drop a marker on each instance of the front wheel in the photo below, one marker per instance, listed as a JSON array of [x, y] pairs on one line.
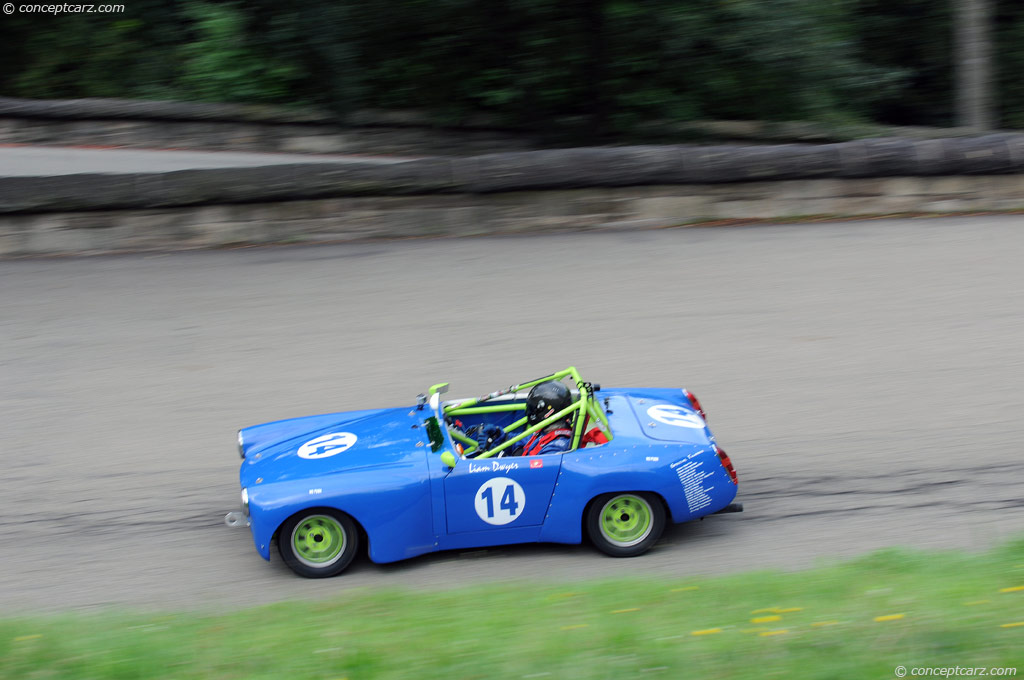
[[318, 543], [625, 524]]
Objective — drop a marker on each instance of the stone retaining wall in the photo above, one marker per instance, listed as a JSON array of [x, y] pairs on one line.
[[588, 188], [464, 214], [992, 155]]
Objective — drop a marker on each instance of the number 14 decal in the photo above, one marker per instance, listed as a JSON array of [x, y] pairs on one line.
[[500, 500], [508, 500]]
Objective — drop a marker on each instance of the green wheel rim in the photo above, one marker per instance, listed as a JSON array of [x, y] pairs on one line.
[[318, 541], [626, 520]]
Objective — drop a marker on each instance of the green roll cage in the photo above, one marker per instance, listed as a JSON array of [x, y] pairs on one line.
[[585, 405]]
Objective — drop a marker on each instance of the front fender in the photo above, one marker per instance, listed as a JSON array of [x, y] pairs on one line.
[[393, 507]]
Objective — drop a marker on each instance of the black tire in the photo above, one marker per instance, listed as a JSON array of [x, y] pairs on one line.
[[625, 524], [318, 543]]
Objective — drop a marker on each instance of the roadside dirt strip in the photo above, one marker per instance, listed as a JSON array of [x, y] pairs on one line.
[[865, 378]]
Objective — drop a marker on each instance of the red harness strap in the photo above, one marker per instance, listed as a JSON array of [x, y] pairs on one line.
[[538, 441], [595, 436]]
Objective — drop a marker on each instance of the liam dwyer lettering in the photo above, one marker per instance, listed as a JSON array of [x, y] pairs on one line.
[[495, 466]]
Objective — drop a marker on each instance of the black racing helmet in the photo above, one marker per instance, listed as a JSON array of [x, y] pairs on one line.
[[545, 400]]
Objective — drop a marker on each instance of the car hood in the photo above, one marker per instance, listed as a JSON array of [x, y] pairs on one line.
[[322, 445]]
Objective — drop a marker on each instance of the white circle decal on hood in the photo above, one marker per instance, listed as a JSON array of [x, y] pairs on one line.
[[676, 416], [327, 445]]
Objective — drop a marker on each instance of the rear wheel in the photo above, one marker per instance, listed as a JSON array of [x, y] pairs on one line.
[[625, 524], [318, 543]]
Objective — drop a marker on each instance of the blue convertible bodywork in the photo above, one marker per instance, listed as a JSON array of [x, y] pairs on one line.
[[406, 478]]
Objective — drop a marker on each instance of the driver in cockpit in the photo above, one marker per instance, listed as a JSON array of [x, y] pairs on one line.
[[545, 400]]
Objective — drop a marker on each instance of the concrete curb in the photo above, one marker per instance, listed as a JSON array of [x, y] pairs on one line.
[[376, 216]]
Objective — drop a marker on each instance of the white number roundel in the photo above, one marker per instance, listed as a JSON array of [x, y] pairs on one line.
[[327, 445], [677, 416], [499, 500]]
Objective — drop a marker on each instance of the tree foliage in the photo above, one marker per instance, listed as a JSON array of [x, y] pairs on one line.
[[589, 68]]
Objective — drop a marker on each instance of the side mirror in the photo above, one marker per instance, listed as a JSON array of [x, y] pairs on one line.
[[448, 458], [421, 401]]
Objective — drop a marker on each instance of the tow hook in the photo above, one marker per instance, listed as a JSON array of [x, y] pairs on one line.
[[236, 519]]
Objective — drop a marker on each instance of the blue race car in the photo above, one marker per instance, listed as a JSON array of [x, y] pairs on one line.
[[612, 464]]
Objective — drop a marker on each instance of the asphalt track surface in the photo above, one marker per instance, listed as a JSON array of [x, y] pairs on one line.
[[866, 378], [32, 161]]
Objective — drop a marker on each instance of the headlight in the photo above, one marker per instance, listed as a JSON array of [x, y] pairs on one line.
[[245, 501], [241, 445]]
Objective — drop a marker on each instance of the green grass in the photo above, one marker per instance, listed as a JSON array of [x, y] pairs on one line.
[[860, 619]]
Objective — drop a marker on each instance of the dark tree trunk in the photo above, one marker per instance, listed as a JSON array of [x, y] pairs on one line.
[[596, 55], [973, 37]]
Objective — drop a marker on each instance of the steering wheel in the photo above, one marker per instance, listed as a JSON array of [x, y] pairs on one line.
[[486, 435]]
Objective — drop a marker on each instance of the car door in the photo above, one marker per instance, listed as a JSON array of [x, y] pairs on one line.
[[495, 494]]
